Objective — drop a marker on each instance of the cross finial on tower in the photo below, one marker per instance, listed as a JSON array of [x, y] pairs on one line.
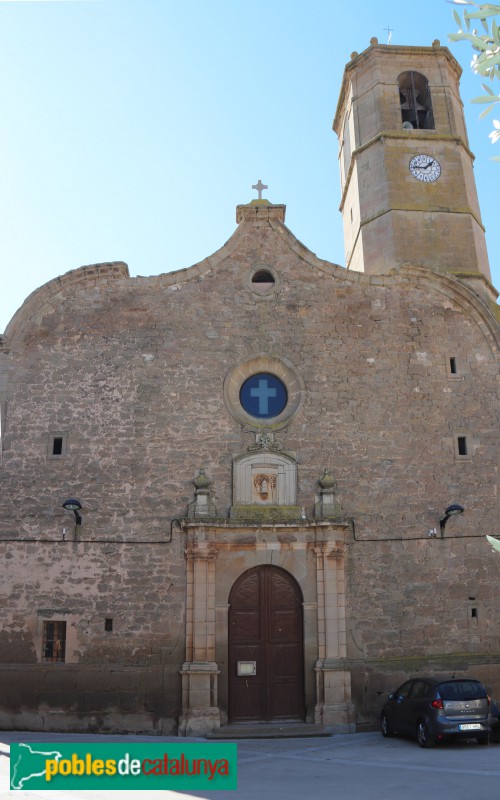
[[260, 187], [390, 31]]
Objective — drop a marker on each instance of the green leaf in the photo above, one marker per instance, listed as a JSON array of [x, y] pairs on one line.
[[482, 99], [486, 111], [495, 158], [457, 18], [492, 60], [488, 89], [480, 41], [483, 13]]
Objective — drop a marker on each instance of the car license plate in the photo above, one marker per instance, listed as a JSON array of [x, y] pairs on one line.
[[470, 726]]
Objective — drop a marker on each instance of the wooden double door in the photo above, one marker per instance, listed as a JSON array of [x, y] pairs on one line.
[[266, 636]]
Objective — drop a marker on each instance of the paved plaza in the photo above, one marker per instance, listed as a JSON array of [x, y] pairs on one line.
[[340, 767]]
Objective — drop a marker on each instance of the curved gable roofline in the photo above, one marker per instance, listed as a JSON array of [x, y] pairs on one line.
[[437, 282], [94, 274], [57, 289], [460, 293]]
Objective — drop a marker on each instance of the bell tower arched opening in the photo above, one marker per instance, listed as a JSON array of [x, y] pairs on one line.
[[415, 101]]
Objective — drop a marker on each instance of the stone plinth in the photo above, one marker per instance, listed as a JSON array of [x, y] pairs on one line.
[[200, 713]]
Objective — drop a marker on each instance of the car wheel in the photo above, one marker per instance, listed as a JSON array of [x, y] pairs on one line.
[[424, 738], [482, 739], [385, 728]]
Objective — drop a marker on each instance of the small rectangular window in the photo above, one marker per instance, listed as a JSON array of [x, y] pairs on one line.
[[462, 445], [57, 444], [108, 624], [455, 366], [54, 641]]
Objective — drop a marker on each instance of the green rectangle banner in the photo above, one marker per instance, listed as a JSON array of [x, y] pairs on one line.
[[124, 766]]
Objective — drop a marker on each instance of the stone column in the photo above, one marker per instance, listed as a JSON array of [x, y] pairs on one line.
[[200, 712], [333, 680]]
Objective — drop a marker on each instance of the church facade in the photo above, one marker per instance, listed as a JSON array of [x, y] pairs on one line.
[[257, 490]]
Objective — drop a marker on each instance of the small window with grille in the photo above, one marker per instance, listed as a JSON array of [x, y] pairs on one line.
[[54, 641], [415, 101]]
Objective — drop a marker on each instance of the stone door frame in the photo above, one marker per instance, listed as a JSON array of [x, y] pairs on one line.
[[216, 555]]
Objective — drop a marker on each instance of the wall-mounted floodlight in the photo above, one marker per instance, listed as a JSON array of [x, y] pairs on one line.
[[75, 506], [451, 511]]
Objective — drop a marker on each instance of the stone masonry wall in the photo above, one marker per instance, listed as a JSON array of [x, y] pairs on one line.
[[130, 373]]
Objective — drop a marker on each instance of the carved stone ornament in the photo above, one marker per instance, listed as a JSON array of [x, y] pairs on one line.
[[327, 507], [327, 482], [202, 505], [265, 441], [265, 483]]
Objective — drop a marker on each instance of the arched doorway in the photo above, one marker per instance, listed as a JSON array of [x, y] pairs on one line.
[[266, 637]]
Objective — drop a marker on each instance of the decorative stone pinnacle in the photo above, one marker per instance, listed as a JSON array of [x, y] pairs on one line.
[[201, 482], [327, 507], [202, 505], [327, 481]]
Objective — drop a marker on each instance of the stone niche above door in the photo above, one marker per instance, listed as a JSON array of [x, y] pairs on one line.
[[265, 486]]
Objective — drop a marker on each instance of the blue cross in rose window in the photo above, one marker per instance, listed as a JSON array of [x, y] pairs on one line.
[[263, 396]]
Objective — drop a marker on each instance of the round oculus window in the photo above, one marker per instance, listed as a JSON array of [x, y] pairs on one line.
[[263, 396]]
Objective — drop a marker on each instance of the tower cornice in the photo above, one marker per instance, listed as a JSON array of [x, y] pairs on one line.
[[418, 136]]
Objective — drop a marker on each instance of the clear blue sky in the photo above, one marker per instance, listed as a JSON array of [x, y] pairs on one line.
[[131, 129]]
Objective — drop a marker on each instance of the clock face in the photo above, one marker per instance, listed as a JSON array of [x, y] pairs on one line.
[[425, 168]]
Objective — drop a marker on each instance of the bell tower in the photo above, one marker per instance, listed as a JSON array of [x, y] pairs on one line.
[[408, 188]]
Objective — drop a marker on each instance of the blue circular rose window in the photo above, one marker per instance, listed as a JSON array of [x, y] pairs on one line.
[[263, 396]]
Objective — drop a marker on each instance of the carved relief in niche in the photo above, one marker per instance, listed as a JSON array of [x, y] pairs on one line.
[[264, 488], [264, 477]]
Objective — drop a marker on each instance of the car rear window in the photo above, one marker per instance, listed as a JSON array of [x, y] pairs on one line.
[[462, 690]]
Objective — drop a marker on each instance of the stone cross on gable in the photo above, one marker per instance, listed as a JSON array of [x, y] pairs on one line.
[[260, 187], [390, 31]]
